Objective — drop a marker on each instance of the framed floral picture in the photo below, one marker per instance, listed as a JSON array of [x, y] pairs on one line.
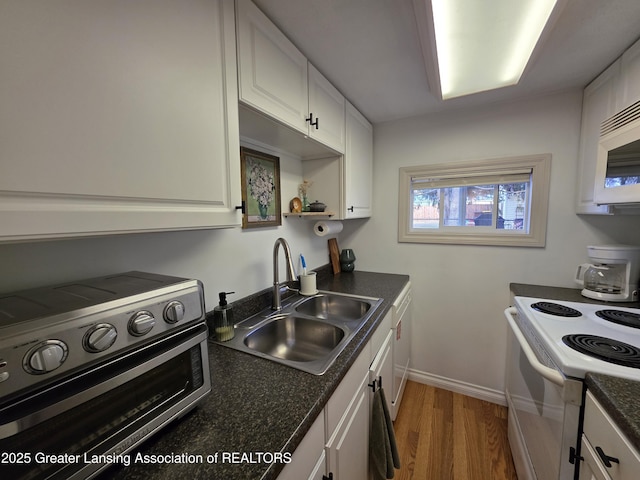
[[260, 174]]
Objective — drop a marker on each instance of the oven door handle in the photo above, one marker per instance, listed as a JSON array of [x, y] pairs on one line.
[[549, 373]]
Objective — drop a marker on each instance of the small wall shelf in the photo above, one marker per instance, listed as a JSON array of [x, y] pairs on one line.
[[308, 214]]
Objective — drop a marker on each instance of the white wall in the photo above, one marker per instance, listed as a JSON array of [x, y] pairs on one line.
[[230, 259], [460, 291]]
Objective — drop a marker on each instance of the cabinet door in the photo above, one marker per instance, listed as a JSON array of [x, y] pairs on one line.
[[107, 125], [598, 104], [327, 110], [308, 460], [272, 72], [381, 369], [358, 165], [348, 448], [629, 91]]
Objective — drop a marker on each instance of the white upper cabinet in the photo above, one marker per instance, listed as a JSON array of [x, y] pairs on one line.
[[327, 106], [629, 88], [612, 91], [358, 166], [598, 104], [117, 117], [276, 79], [273, 73]]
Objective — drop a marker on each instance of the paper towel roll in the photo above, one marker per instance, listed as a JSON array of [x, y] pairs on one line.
[[323, 229]]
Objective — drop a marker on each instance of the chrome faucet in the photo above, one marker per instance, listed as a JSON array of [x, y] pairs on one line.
[[291, 275]]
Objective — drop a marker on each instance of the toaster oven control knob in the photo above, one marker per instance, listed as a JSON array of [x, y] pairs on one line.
[[45, 357], [141, 323], [100, 337], [174, 312]]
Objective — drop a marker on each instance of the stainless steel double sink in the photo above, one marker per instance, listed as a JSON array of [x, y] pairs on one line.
[[308, 333]]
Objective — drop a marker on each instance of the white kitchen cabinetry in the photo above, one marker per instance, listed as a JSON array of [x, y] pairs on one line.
[[629, 87], [358, 166], [347, 423], [276, 79], [598, 104], [118, 118], [381, 369], [344, 183], [606, 453], [613, 90], [401, 331], [308, 461]]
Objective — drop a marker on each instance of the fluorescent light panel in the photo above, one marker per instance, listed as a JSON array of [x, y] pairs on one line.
[[483, 45]]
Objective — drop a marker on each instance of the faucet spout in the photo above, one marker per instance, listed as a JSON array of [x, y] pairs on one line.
[[281, 242]]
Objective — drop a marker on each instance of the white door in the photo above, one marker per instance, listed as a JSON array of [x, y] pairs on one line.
[[327, 106], [106, 124], [358, 165], [348, 448], [272, 72]]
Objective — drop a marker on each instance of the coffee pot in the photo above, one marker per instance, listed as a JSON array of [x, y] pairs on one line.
[[613, 275]]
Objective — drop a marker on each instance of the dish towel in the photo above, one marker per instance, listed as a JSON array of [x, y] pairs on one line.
[[383, 451]]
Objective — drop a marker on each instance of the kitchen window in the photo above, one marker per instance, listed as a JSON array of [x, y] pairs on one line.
[[490, 202]]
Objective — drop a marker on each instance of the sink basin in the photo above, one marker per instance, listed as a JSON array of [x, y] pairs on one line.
[[308, 333], [295, 338], [334, 306]]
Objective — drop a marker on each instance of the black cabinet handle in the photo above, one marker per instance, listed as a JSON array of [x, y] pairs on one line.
[[311, 122], [606, 459], [242, 207], [330, 477], [350, 208]]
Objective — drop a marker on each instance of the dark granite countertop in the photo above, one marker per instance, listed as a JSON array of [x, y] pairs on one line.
[[620, 399], [560, 293], [257, 406], [618, 396]]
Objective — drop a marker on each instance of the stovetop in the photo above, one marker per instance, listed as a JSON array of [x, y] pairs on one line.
[[583, 323]]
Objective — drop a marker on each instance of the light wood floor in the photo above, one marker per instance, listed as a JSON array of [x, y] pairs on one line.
[[443, 435]]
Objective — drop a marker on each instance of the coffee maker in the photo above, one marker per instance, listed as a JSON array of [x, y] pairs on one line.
[[613, 275]]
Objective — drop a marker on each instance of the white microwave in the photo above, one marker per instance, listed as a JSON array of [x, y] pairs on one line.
[[617, 179]]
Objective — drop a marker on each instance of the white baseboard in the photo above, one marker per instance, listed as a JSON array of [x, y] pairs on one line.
[[469, 389]]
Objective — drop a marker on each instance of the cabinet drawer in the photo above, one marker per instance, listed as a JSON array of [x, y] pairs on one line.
[[602, 433]]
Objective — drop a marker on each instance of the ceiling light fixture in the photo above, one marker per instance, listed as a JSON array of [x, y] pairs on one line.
[[483, 45]]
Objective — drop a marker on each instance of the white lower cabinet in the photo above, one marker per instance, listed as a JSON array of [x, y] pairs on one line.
[[381, 369], [308, 461], [347, 423], [606, 452], [348, 447]]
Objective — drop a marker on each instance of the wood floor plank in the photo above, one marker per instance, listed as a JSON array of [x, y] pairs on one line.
[[443, 435]]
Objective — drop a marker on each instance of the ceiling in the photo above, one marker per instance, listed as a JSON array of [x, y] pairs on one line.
[[370, 50]]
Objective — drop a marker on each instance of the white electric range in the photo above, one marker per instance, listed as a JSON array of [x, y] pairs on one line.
[[552, 345]]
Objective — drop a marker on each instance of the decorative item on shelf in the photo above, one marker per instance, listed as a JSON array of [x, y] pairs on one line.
[[295, 205], [317, 207], [347, 260], [260, 175], [303, 189]]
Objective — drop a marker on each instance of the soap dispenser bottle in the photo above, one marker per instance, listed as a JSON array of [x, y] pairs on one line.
[[223, 324]]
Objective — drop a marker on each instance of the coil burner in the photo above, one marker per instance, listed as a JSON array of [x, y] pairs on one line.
[[607, 349], [628, 319], [556, 309]]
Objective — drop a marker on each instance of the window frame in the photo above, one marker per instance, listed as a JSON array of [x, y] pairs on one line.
[[540, 167]]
